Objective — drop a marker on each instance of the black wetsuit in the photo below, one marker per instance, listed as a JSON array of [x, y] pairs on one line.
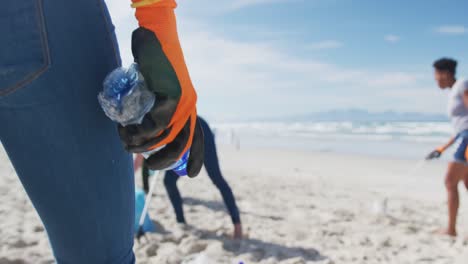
[[214, 172]]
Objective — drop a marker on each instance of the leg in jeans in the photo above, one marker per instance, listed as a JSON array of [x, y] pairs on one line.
[[170, 182], [66, 153]]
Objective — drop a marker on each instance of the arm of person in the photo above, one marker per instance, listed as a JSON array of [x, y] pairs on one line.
[[438, 151], [465, 97], [138, 162], [435, 154], [171, 126], [443, 148]]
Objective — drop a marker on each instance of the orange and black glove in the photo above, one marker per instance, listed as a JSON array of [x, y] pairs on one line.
[[172, 123]]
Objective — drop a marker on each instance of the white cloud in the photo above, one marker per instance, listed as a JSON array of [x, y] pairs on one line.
[[395, 79], [239, 4], [238, 78], [326, 44], [452, 30], [210, 8], [257, 78], [120, 10], [392, 38]]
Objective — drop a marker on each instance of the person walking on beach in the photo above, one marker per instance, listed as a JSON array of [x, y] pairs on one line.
[[54, 56], [214, 172], [457, 170]]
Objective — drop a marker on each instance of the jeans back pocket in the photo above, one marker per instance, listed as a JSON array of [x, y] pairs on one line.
[[24, 51]]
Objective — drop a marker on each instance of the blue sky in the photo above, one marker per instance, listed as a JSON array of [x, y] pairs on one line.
[[270, 58]]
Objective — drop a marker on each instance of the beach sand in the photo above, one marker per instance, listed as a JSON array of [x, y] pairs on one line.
[[296, 207]]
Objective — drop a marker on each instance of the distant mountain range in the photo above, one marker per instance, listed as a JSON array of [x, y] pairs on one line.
[[360, 115]]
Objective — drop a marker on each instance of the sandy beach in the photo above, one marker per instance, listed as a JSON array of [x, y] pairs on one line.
[[297, 207]]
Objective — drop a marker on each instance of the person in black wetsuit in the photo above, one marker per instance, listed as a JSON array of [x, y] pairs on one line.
[[214, 172]]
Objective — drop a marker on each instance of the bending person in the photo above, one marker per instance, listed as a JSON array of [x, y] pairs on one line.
[[214, 172]]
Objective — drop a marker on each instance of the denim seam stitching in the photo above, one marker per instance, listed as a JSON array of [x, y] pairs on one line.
[[45, 52], [109, 33]]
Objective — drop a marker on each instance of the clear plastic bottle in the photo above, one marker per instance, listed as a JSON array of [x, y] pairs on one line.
[[125, 99]]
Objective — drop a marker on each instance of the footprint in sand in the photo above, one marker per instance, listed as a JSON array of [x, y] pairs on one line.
[[386, 243], [12, 261], [192, 245], [275, 218], [151, 250], [412, 230], [300, 236], [22, 244], [38, 229], [174, 238], [366, 242], [344, 216], [332, 233], [49, 261]]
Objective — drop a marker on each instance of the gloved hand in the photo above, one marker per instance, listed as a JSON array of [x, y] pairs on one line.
[[434, 154], [172, 123]]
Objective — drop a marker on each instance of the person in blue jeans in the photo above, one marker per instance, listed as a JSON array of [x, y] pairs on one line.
[[68, 155], [214, 172]]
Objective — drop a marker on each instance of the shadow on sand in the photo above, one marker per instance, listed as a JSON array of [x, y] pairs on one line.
[[260, 250], [219, 206]]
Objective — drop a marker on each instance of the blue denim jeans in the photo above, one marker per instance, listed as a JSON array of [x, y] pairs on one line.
[[54, 56], [461, 154]]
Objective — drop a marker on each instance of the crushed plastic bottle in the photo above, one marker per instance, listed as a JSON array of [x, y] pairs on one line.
[[125, 99]]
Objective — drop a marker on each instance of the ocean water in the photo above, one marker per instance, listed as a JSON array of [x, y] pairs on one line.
[[406, 140]]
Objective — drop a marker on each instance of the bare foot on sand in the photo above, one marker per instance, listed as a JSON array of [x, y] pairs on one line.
[[445, 232], [237, 231]]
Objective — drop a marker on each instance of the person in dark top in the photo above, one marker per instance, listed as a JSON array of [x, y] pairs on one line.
[[213, 170]]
